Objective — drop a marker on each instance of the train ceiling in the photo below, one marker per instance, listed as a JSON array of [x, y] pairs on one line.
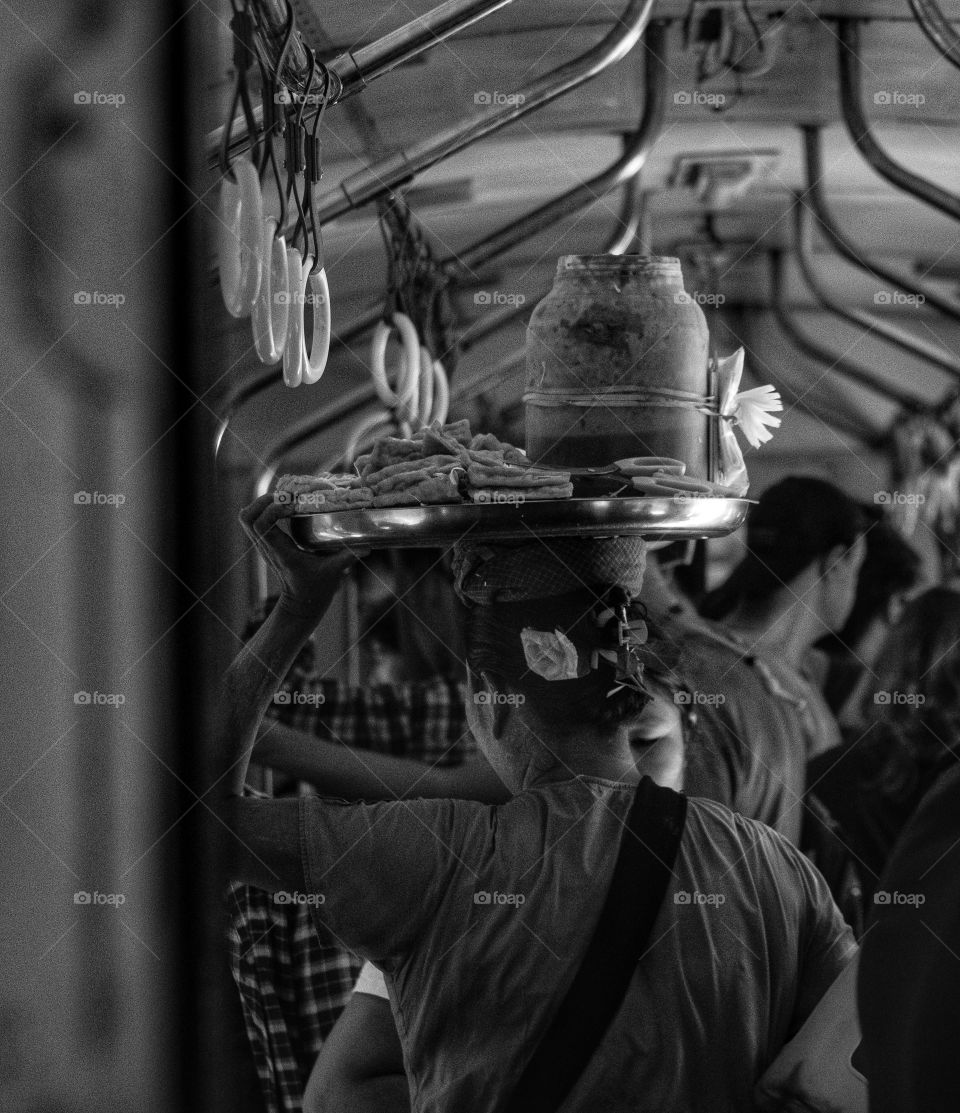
[[911, 94]]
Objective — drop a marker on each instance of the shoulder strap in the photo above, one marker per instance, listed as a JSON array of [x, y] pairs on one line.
[[648, 849]]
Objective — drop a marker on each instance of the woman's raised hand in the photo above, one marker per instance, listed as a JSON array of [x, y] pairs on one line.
[[308, 582]]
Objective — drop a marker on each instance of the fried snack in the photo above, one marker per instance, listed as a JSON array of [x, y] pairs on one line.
[[432, 491], [387, 451], [340, 498], [487, 442], [510, 475], [419, 468]]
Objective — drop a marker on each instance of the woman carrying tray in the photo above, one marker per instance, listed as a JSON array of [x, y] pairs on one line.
[[484, 917]]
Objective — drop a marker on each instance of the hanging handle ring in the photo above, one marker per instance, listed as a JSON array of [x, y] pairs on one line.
[[409, 367], [318, 296], [239, 249], [271, 310], [293, 348]]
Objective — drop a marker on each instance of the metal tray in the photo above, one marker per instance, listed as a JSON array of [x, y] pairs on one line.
[[430, 527]]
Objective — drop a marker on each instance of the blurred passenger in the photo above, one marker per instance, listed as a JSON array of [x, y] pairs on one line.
[[399, 883], [889, 576], [910, 733], [909, 977], [796, 584]]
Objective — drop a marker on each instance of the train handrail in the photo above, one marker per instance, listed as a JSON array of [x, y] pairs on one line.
[[353, 70], [818, 352], [843, 245], [851, 104], [938, 30], [379, 178], [884, 330]]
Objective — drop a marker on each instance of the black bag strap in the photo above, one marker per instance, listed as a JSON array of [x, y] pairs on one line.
[[644, 865]]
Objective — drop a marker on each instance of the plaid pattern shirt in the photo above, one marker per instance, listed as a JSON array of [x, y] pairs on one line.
[[293, 982]]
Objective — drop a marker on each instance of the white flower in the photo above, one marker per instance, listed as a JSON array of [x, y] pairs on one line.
[[552, 656]]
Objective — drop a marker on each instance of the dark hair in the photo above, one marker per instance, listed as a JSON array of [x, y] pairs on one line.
[[914, 711], [796, 522], [494, 647], [890, 567]]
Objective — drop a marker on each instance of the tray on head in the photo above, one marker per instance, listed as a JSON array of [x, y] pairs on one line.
[[430, 527]]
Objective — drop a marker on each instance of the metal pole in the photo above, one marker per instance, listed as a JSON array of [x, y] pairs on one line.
[[936, 27], [848, 54], [817, 352], [352, 71], [883, 330], [386, 174], [844, 246]]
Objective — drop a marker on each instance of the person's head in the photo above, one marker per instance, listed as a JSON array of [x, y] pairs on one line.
[[890, 573], [804, 541], [912, 711], [546, 674]]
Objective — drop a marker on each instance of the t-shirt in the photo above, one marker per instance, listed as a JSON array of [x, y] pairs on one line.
[[480, 914], [909, 977], [758, 722]]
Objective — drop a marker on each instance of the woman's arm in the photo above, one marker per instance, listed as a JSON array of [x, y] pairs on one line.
[[353, 774], [264, 850]]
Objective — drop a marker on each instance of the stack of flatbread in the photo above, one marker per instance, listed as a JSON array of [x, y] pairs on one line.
[[438, 464], [318, 494]]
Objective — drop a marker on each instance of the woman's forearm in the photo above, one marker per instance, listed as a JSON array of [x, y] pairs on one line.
[[248, 687], [340, 770]]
